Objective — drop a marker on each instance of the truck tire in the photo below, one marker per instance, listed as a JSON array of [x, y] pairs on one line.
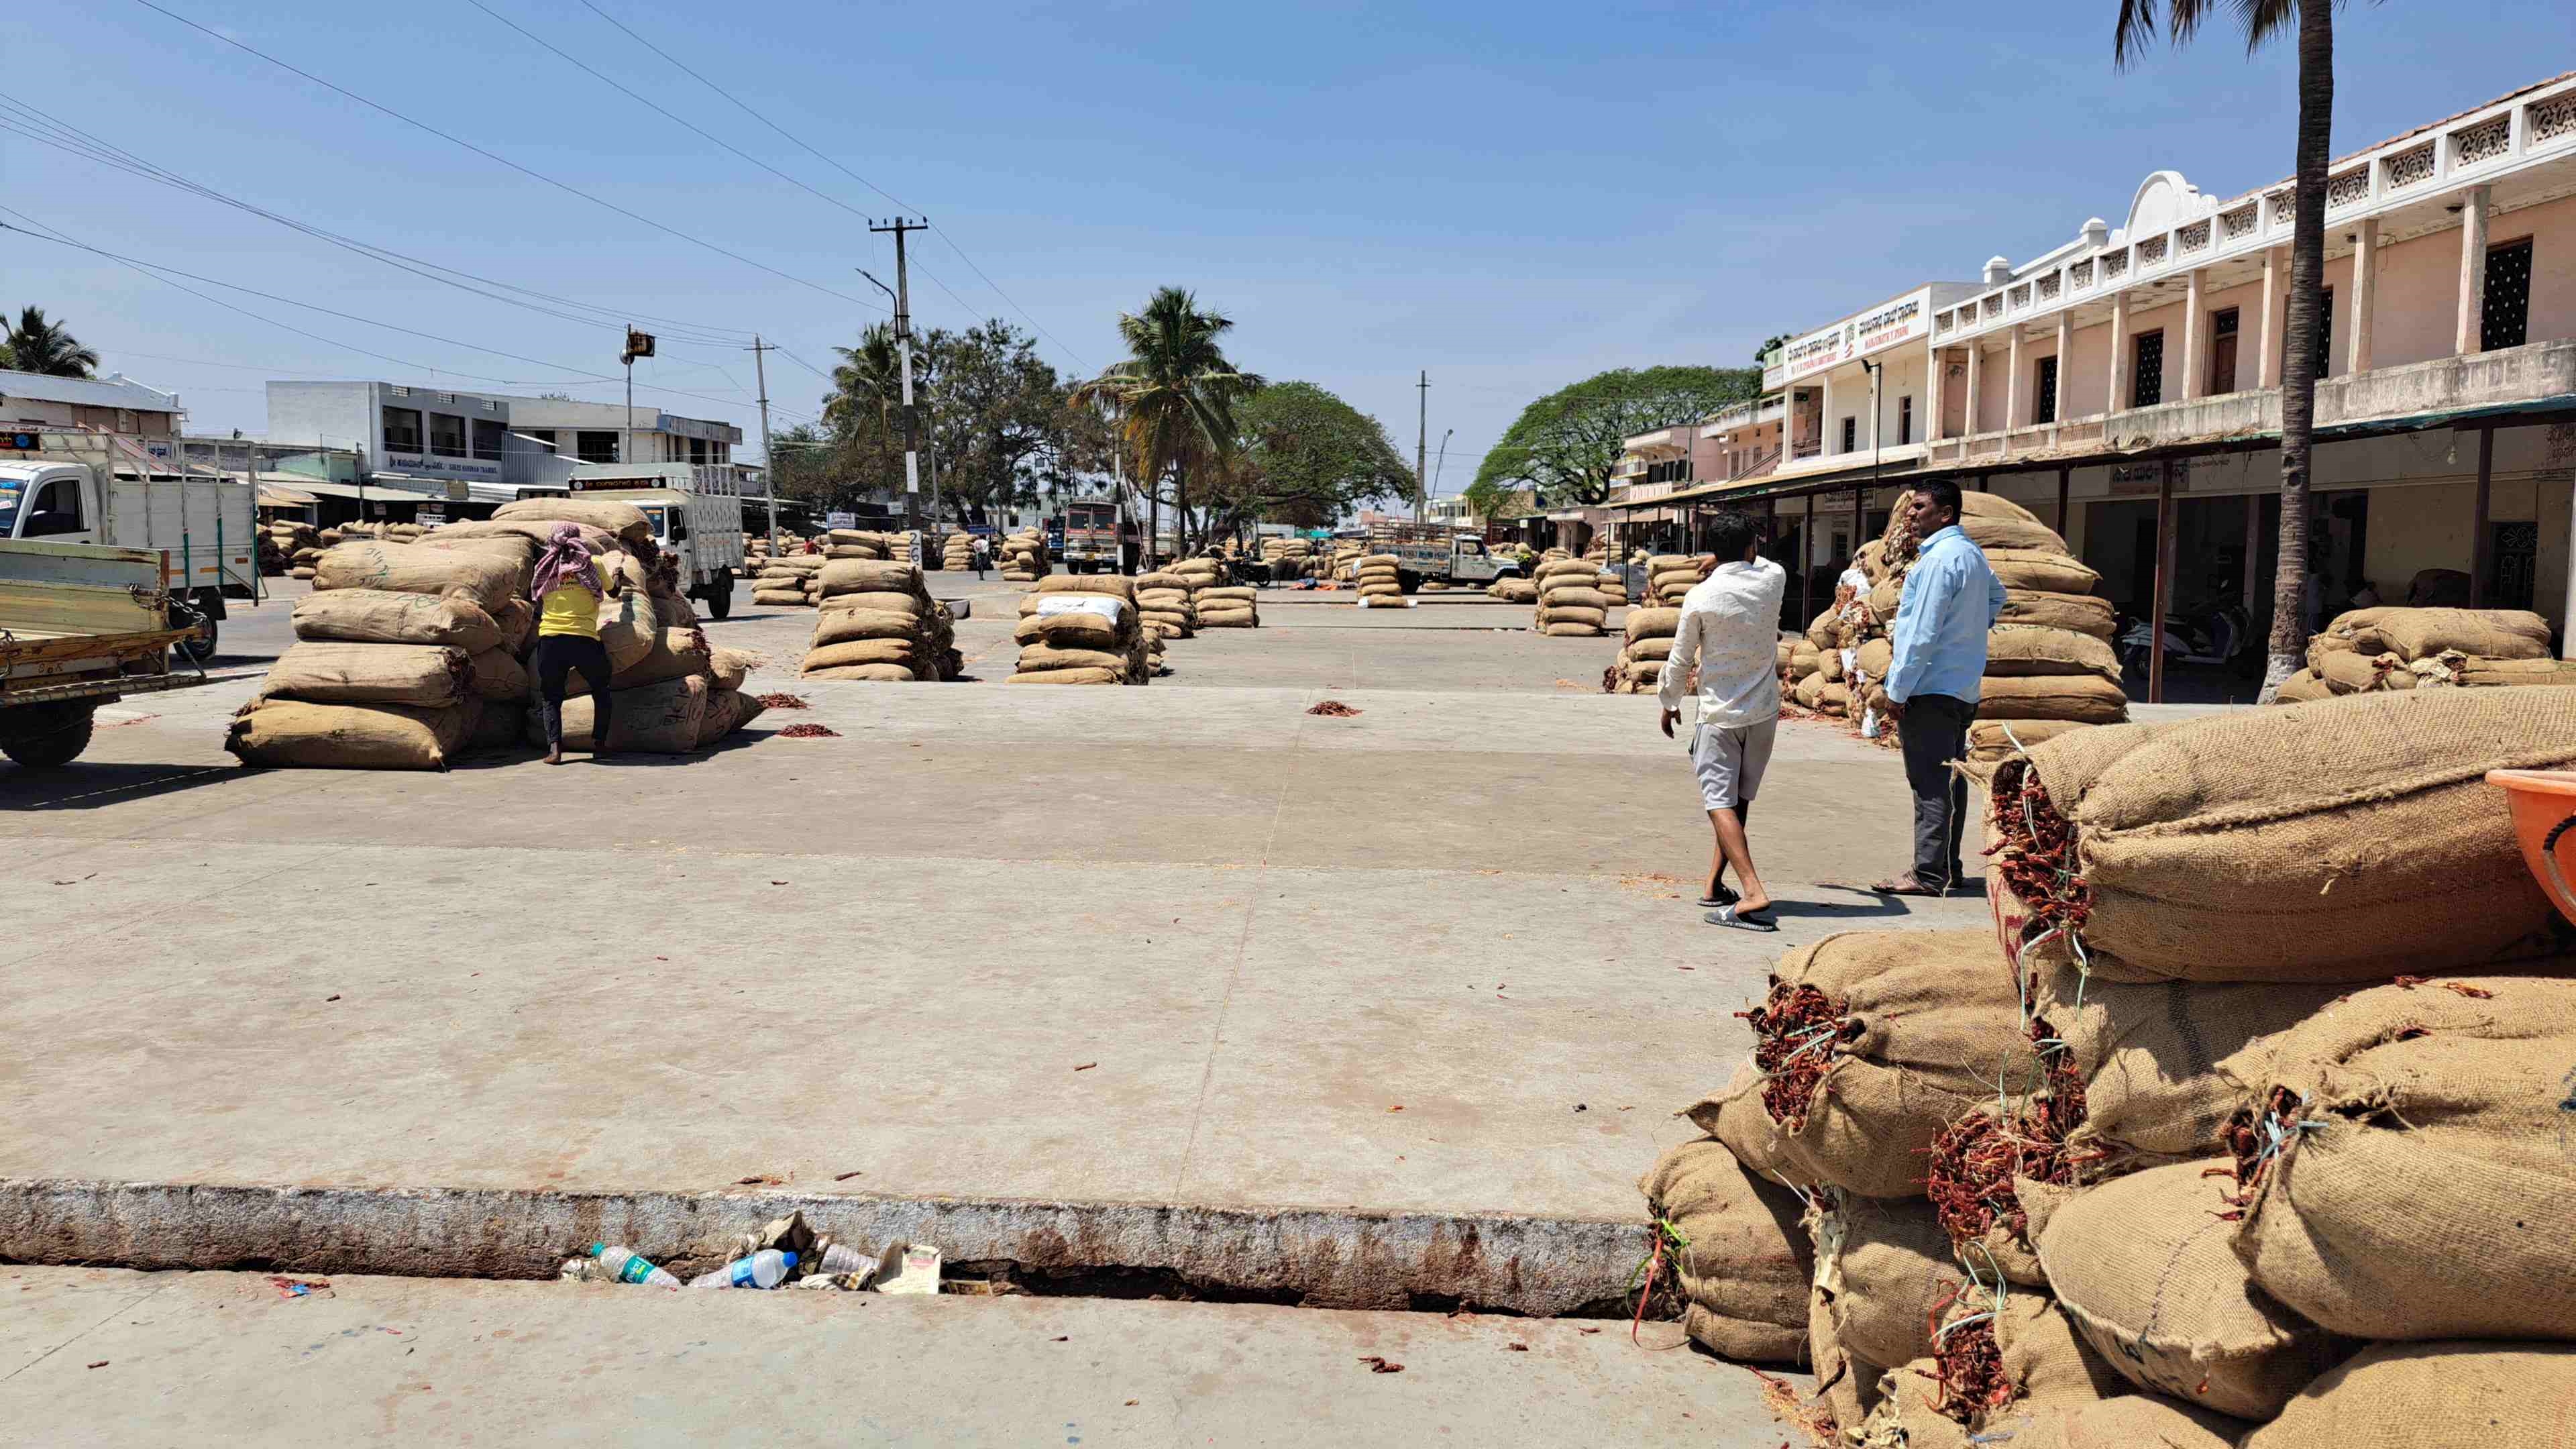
[[55, 735], [1408, 581], [201, 648], [719, 597]]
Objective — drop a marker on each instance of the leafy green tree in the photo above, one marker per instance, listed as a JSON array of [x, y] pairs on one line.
[[2262, 20], [1000, 418], [1172, 398], [36, 345], [1565, 445], [1305, 457]]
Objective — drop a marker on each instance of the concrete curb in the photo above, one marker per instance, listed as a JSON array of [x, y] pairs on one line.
[[1320, 1257]]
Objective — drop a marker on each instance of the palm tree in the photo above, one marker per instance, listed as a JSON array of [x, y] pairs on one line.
[[2300, 363], [36, 345], [1171, 399]]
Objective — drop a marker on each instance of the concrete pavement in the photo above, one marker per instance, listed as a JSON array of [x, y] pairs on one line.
[[101, 1357]]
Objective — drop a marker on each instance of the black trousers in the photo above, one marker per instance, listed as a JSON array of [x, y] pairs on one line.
[[1934, 733], [557, 656]]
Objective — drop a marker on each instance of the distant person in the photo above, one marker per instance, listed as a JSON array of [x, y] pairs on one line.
[[567, 588], [1730, 633], [982, 548], [1951, 599]]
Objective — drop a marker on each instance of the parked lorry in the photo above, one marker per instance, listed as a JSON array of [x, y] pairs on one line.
[[1099, 537], [81, 625], [69, 486], [696, 517], [1434, 551]]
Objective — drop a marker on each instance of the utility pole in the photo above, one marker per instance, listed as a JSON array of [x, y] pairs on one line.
[[768, 458], [1421, 443], [638, 344], [903, 345]]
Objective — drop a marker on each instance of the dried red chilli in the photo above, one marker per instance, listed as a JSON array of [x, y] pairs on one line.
[[1798, 1031], [1974, 1161]]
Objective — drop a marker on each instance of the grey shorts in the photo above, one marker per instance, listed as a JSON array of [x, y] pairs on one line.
[[1730, 762]]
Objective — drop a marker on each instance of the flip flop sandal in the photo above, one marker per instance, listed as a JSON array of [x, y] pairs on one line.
[[1741, 920], [1891, 888], [1724, 897]]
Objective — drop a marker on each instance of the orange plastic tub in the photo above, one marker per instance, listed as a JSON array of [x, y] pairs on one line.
[[2544, 816]]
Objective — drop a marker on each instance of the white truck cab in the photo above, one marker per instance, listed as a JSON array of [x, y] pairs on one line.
[[696, 517], [92, 488]]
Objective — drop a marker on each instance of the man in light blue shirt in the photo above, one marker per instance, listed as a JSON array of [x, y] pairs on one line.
[[1951, 599]]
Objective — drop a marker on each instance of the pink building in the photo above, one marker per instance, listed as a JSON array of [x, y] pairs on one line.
[[2125, 383]]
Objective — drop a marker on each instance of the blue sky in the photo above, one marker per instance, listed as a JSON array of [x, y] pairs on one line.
[[1510, 195]]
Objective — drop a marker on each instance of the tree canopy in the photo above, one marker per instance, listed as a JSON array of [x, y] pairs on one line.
[[1172, 397], [36, 345], [1303, 456], [1565, 445]]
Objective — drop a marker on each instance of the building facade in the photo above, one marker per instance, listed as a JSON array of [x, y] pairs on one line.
[[111, 404], [2125, 384]]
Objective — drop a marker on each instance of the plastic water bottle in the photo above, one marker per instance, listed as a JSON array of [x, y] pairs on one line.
[[625, 1265], [764, 1269]]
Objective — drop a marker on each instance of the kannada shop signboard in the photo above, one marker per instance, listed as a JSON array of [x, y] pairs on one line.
[[1903, 320]]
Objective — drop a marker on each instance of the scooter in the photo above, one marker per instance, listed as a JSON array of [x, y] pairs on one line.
[[2210, 638]]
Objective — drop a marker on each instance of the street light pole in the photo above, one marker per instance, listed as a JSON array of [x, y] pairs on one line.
[[903, 345], [768, 455]]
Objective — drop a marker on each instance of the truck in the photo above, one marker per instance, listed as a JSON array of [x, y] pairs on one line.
[[1099, 537], [81, 625], [1428, 551], [76, 486], [696, 517]]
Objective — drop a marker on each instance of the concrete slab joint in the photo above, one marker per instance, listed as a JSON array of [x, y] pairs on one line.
[[1314, 1256]]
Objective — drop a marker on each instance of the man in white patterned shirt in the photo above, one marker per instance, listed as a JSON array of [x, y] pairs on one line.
[[1730, 633]]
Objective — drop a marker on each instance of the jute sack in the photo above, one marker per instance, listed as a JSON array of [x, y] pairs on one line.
[[1568, 629], [498, 725], [2083, 698], [727, 711], [908, 605], [2026, 649], [1810, 691], [1116, 586], [779, 598], [499, 678], [402, 569], [1910, 1030], [839, 626], [2047, 1362], [2447, 1395], [382, 617], [1071, 631], [2406, 1157], [1235, 593], [2422, 633], [2301, 687], [628, 629], [2142, 1267], [1907, 1413], [429, 676], [2488, 673], [2131, 1421], [658, 719], [727, 667], [622, 519], [1227, 618], [1875, 658], [538, 532], [1068, 676], [2025, 534], [1883, 1267], [2149, 1055], [2348, 840], [675, 652], [1566, 568], [1831, 666], [1575, 596], [519, 551], [2352, 672], [1845, 1387], [1640, 650], [865, 673], [1590, 618], [906, 652], [869, 576], [1746, 1270], [2041, 570], [1992, 739], [2082, 613], [1046, 656], [294, 733]]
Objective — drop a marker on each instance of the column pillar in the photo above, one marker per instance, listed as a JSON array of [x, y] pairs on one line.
[[1932, 369], [2163, 593], [2267, 355], [2365, 293], [2473, 272], [2481, 573], [1976, 354], [2117, 399], [2194, 294], [1827, 435], [2012, 379], [2065, 363]]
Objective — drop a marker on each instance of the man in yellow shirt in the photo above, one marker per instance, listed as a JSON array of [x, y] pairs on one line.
[[567, 589]]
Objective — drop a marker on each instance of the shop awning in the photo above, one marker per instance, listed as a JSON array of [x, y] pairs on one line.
[[271, 496]]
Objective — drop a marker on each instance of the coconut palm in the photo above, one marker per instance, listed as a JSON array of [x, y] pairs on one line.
[[36, 345], [1171, 399], [2300, 362]]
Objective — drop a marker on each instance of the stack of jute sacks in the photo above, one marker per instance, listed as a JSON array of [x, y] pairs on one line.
[[1380, 586], [1082, 629], [2049, 663], [1570, 601], [1228, 606], [1168, 605], [1671, 576], [1024, 559], [1289, 558], [1512, 589], [1649, 642], [878, 623], [957, 552], [2243, 1127], [791, 581], [2371, 650], [1345, 565], [288, 543]]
